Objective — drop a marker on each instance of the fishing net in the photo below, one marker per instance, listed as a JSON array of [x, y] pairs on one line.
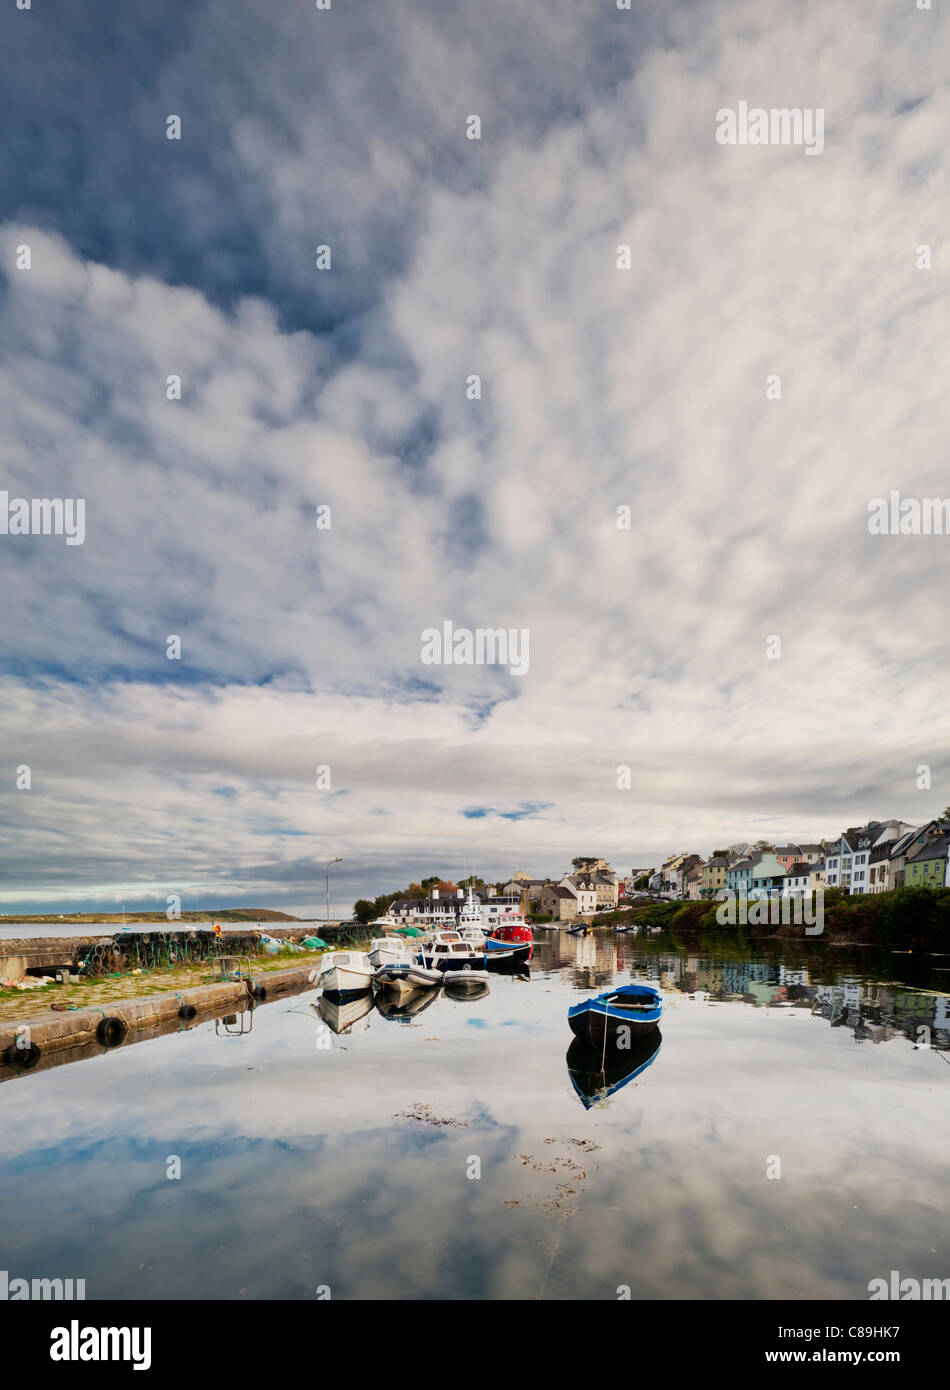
[[147, 950]]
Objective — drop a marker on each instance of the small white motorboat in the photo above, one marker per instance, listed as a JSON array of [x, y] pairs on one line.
[[394, 981], [390, 950], [346, 972], [451, 955], [422, 977]]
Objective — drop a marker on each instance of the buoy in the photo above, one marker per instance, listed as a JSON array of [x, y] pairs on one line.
[[112, 1031], [187, 1011]]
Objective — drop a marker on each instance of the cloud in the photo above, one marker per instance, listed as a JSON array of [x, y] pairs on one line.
[[600, 389]]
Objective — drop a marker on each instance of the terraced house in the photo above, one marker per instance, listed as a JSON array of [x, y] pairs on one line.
[[928, 867], [712, 876], [894, 873], [803, 878], [848, 862]]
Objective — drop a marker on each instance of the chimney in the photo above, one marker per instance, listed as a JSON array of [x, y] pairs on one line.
[[460, 893], [435, 892]]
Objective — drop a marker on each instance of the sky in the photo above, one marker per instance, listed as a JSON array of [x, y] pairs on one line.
[[656, 713]]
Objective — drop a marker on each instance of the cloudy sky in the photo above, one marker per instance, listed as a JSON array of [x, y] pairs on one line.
[[346, 388]]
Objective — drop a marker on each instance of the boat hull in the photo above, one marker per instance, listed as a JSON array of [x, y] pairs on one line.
[[617, 1017], [394, 978], [508, 950], [595, 1028], [420, 977], [455, 961]]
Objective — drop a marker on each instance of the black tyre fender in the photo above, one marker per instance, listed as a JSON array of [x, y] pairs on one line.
[[22, 1058], [112, 1032]]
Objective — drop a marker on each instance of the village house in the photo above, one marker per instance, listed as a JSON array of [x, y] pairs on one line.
[[712, 878], [558, 902], [928, 867], [893, 874], [692, 883], [766, 876], [584, 892], [848, 861], [803, 879], [739, 877]]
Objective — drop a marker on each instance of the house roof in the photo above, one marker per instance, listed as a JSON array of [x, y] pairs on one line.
[[937, 849], [799, 869]]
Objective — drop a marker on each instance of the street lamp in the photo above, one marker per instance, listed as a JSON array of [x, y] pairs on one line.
[[338, 860]]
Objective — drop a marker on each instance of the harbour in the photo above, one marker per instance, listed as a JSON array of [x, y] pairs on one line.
[[449, 1153]]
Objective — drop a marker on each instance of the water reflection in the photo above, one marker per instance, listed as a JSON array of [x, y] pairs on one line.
[[345, 1015], [404, 1010], [302, 1164], [597, 1075], [873, 1011]]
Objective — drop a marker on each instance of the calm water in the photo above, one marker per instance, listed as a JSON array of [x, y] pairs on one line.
[[300, 1167]]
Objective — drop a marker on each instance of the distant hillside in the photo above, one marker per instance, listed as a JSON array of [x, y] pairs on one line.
[[224, 914]]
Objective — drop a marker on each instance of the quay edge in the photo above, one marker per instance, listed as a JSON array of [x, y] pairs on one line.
[[51, 1032]]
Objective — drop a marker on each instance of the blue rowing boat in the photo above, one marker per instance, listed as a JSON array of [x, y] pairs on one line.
[[617, 1016]]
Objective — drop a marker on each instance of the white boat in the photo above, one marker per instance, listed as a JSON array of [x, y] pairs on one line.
[[390, 950], [451, 955], [394, 981], [388, 922], [420, 976], [346, 972]]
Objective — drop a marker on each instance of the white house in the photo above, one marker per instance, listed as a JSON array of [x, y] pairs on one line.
[[847, 864], [586, 896]]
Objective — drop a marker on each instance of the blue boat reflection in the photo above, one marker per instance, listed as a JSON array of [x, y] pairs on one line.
[[597, 1075]]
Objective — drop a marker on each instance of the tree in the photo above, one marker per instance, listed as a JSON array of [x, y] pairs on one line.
[[477, 883], [364, 911], [415, 890], [584, 861], [431, 882]]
